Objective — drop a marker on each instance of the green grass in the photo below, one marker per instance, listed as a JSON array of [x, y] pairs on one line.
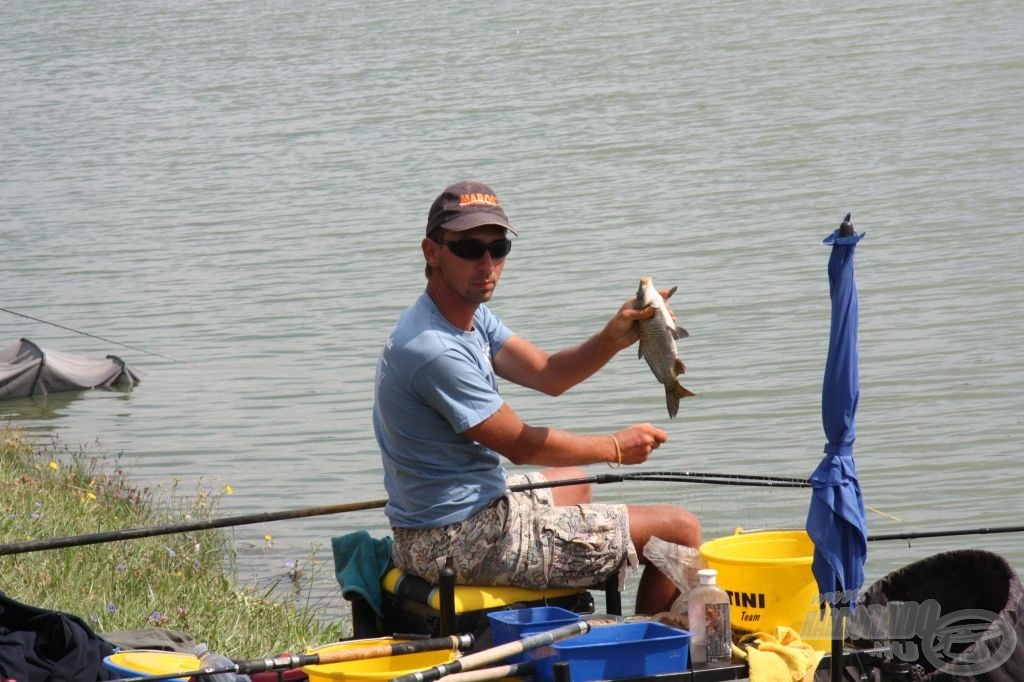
[[183, 581]]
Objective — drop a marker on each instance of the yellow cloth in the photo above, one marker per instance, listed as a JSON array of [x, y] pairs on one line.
[[780, 656]]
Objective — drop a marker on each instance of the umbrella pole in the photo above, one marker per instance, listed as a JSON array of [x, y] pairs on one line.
[[837, 645]]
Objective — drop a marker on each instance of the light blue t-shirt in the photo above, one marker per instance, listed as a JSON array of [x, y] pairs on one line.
[[435, 381]]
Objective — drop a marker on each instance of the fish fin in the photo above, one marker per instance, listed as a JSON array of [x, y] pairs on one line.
[[670, 292], [679, 333], [672, 396], [680, 366], [672, 402]]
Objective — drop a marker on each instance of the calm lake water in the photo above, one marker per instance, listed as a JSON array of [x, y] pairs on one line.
[[243, 185]]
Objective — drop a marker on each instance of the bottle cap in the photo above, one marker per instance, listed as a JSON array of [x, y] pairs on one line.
[[707, 576]]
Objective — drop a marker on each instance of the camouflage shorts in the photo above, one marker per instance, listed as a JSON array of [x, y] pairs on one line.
[[522, 539]]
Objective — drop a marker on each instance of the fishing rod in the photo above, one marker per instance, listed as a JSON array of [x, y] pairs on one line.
[[116, 343], [266, 517], [170, 529], [676, 477], [497, 653], [499, 672], [288, 661], [764, 481], [945, 533]]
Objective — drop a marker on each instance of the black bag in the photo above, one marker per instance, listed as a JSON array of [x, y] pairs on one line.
[[959, 648], [38, 645]]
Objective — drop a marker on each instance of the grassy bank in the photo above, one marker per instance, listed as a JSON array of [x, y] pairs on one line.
[[183, 581]]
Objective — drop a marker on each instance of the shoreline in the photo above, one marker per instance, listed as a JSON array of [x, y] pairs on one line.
[[184, 581]]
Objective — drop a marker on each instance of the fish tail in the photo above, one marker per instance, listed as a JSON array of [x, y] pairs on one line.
[[672, 395]]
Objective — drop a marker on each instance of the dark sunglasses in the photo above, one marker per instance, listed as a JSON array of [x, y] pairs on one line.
[[474, 249]]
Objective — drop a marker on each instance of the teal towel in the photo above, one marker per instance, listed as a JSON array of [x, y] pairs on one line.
[[360, 561]]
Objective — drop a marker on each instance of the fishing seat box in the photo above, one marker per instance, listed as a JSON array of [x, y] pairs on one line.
[[412, 605]]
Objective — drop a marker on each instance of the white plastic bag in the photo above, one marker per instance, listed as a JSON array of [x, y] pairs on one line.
[[680, 564]]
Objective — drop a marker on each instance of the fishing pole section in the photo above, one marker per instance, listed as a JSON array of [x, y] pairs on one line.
[[92, 336], [598, 479], [676, 477], [289, 661], [494, 654], [266, 517]]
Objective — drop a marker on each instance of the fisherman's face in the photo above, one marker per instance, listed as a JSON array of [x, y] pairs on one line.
[[473, 279]]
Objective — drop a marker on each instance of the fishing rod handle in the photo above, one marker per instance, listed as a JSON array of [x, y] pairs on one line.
[[534, 641], [494, 654], [497, 673], [453, 643], [288, 661]]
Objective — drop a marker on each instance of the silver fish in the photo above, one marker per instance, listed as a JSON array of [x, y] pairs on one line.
[[658, 336]]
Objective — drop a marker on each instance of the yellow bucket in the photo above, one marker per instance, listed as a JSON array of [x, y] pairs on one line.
[[768, 577], [373, 669]]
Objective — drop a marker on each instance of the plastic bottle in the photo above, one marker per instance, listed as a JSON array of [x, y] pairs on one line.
[[710, 627], [208, 659]]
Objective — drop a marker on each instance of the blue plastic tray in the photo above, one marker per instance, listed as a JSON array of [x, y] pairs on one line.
[[509, 626], [617, 651]]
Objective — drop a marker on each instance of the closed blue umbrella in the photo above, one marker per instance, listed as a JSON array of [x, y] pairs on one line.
[[835, 519]]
